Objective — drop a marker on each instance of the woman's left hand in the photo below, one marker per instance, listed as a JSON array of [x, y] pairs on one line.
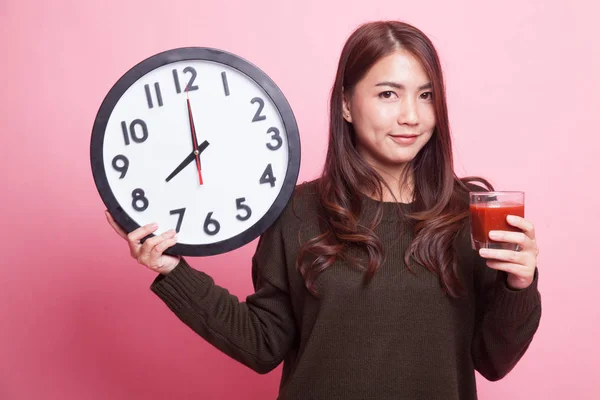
[[520, 265]]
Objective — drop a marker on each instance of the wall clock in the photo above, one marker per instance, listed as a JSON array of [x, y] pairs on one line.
[[198, 140]]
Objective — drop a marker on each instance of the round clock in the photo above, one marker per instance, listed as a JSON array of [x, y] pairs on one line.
[[198, 140]]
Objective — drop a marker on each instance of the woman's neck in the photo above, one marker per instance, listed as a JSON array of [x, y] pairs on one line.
[[398, 188]]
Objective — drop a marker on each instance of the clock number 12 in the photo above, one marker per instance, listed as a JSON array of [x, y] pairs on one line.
[[190, 85]]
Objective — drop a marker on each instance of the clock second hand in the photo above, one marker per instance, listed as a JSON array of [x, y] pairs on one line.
[[194, 140]]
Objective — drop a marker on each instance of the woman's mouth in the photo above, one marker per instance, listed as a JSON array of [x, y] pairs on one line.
[[404, 139]]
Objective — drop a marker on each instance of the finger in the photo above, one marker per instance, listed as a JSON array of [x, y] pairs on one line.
[[137, 235], [523, 224], [510, 268], [115, 225], [519, 238], [519, 276], [160, 248], [151, 243], [514, 257]]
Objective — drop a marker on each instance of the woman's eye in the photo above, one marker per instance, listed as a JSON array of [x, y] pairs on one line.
[[387, 94], [427, 95]]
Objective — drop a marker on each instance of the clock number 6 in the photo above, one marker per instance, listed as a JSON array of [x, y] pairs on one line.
[[240, 206], [211, 226], [139, 195], [276, 136]]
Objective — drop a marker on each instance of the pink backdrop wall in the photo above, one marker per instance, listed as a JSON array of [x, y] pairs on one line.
[[77, 319]]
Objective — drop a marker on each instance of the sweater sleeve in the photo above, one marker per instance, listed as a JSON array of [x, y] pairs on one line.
[[506, 321], [258, 332]]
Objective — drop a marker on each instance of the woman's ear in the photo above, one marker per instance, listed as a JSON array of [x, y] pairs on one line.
[[346, 109]]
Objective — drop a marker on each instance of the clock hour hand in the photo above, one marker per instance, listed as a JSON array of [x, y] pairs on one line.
[[189, 159]]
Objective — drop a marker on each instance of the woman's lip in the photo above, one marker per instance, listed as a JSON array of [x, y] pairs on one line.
[[404, 139]]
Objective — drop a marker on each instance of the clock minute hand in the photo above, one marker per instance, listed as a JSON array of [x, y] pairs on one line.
[[194, 139], [189, 159]]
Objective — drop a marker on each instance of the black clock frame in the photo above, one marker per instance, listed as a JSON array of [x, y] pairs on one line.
[[205, 54]]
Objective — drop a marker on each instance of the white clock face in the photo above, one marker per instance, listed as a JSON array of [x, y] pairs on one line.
[[243, 164]]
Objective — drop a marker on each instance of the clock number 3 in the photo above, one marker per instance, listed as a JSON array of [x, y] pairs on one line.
[[139, 196], [276, 137]]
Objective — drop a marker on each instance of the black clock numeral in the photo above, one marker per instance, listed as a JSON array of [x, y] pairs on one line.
[[276, 136], [190, 85], [123, 168], [149, 95], [261, 105], [176, 79], [181, 212], [139, 195], [267, 176], [225, 83], [240, 206], [211, 226], [133, 132]]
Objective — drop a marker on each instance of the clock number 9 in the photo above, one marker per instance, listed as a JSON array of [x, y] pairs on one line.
[[139, 195], [276, 136], [122, 169], [211, 226], [134, 136]]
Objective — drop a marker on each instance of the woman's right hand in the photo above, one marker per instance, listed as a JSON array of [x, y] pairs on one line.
[[150, 253]]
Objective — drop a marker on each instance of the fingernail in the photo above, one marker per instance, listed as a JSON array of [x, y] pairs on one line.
[[154, 226], [483, 252], [175, 237]]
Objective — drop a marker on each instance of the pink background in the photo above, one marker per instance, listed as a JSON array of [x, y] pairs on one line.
[[77, 319]]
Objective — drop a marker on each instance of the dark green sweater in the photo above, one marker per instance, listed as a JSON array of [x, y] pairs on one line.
[[399, 337]]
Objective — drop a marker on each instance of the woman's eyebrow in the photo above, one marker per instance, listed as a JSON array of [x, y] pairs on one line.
[[400, 86]]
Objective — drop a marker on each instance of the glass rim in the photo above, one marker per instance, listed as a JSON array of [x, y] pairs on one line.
[[497, 192]]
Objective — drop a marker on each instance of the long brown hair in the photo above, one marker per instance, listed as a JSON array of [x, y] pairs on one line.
[[439, 195]]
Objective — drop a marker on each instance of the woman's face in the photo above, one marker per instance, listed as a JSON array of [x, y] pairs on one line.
[[392, 111]]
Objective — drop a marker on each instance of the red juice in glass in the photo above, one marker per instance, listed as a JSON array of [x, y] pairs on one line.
[[488, 213]]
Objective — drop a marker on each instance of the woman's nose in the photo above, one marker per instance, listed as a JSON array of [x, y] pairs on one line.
[[408, 112]]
